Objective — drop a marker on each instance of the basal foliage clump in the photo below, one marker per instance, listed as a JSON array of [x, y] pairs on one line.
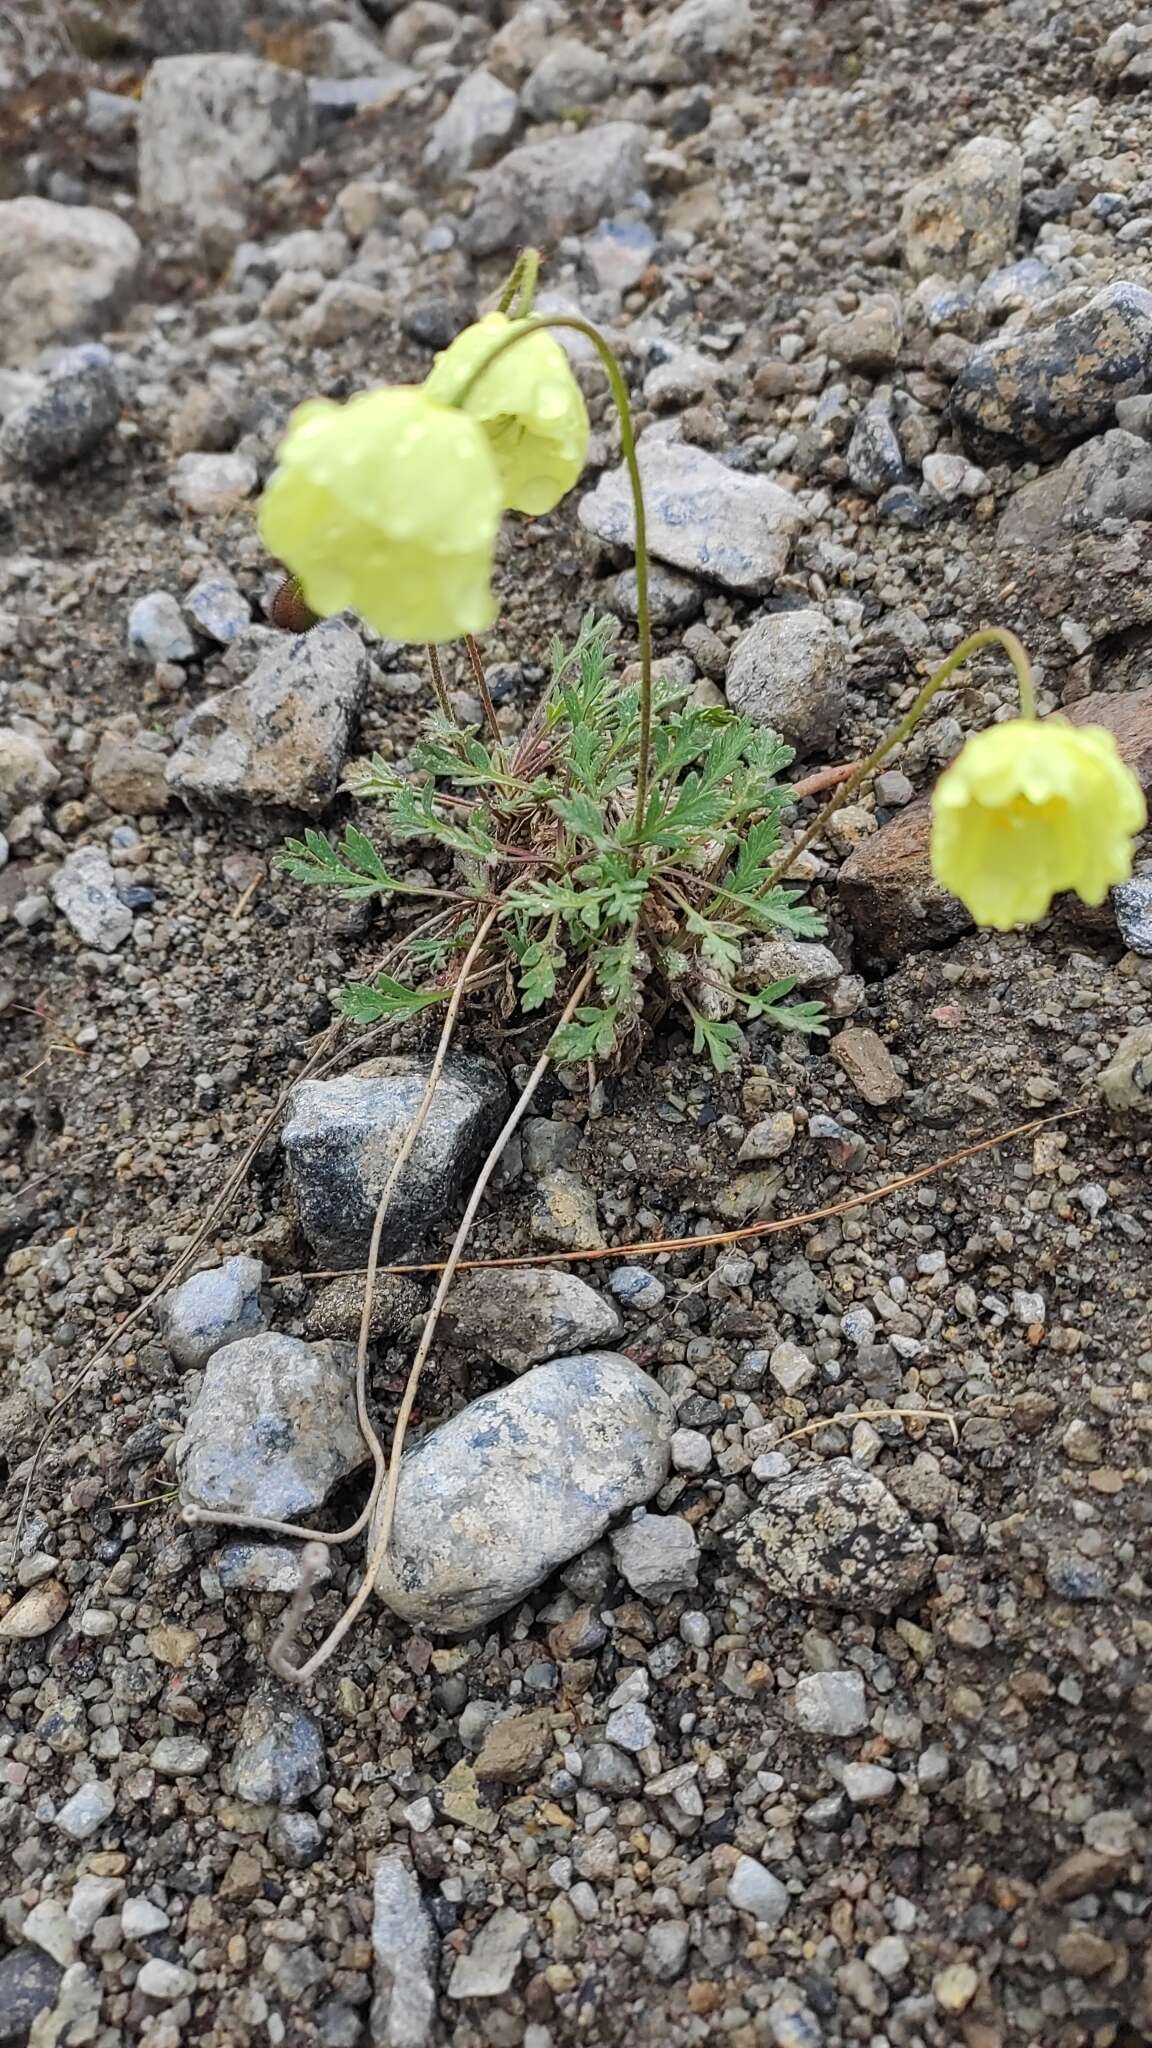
[[544, 830]]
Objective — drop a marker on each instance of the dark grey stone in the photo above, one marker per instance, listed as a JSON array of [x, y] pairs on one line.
[[1055, 384], [29, 1982], [279, 1756], [341, 1136], [69, 418]]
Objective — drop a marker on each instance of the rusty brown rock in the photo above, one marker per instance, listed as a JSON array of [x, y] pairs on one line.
[[515, 1748], [867, 1062], [886, 886]]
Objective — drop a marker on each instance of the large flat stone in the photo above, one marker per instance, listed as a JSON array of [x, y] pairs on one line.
[[702, 516]]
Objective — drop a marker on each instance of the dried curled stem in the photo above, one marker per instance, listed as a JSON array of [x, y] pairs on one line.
[[264, 1525], [300, 1674]]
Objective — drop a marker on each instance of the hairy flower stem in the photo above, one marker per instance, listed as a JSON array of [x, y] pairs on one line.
[[628, 449], [516, 298], [442, 697], [989, 636], [484, 693]]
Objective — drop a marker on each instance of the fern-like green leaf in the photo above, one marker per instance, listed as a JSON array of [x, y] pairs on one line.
[[589, 1035], [368, 1003], [721, 1041], [809, 1017]]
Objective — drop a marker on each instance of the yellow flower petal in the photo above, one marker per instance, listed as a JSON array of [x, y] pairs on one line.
[[388, 506], [1028, 810], [528, 403]]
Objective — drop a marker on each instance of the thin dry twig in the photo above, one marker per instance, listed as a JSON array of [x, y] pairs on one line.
[[822, 779], [264, 1524], [945, 1415], [741, 1232], [279, 1657]]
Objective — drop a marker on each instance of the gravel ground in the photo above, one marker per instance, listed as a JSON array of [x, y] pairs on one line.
[[837, 1733]]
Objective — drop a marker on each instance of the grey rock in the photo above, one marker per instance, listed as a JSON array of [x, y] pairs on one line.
[[1126, 1081], [688, 43], [486, 1970], [296, 1840], [65, 272], [77, 409], [524, 1478], [156, 629], [1040, 386], [950, 477], [636, 1287], [808, 963], [281, 737], [631, 1727], [1126, 54], [341, 1136], [964, 216], [545, 190], [213, 1308], [609, 1771], [833, 1534], [219, 608], [831, 1703], [618, 253], [475, 128], [658, 1555], [211, 128], [263, 1568], [569, 74], [874, 457], [788, 672], [279, 1755], [404, 1947], [26, 773], [672, 598], [524, 1315], [1108, 478], [87, 1810], [164, 1981], [1132, 908], [170, 27], [180, 1756], [209, 486], [128, 769], [754, 1890], [273, 1428], [716, 522], [29, 1983], [345, 307], [792, 2024], [678, 377], [666, 1950], [84, 890], [869, 1784]]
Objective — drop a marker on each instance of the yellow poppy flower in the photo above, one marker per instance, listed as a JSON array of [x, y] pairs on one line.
[[529, 405], [1028, 809], [388, 506]]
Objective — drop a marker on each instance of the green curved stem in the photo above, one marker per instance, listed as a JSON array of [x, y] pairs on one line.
[[628, 449], [989, 636]]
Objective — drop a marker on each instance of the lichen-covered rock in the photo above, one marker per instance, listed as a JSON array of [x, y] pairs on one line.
[[281, 737], [833, 1534], [342, 1134], [523, 1315], [963, 217], [521, 1480], [704, 517], [1040, 386], [546, 190], [273, 1428], [65, 271]]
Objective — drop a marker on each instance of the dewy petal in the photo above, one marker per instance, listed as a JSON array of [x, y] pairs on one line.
[[388, 505], [528, 403], [1028, 810]]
